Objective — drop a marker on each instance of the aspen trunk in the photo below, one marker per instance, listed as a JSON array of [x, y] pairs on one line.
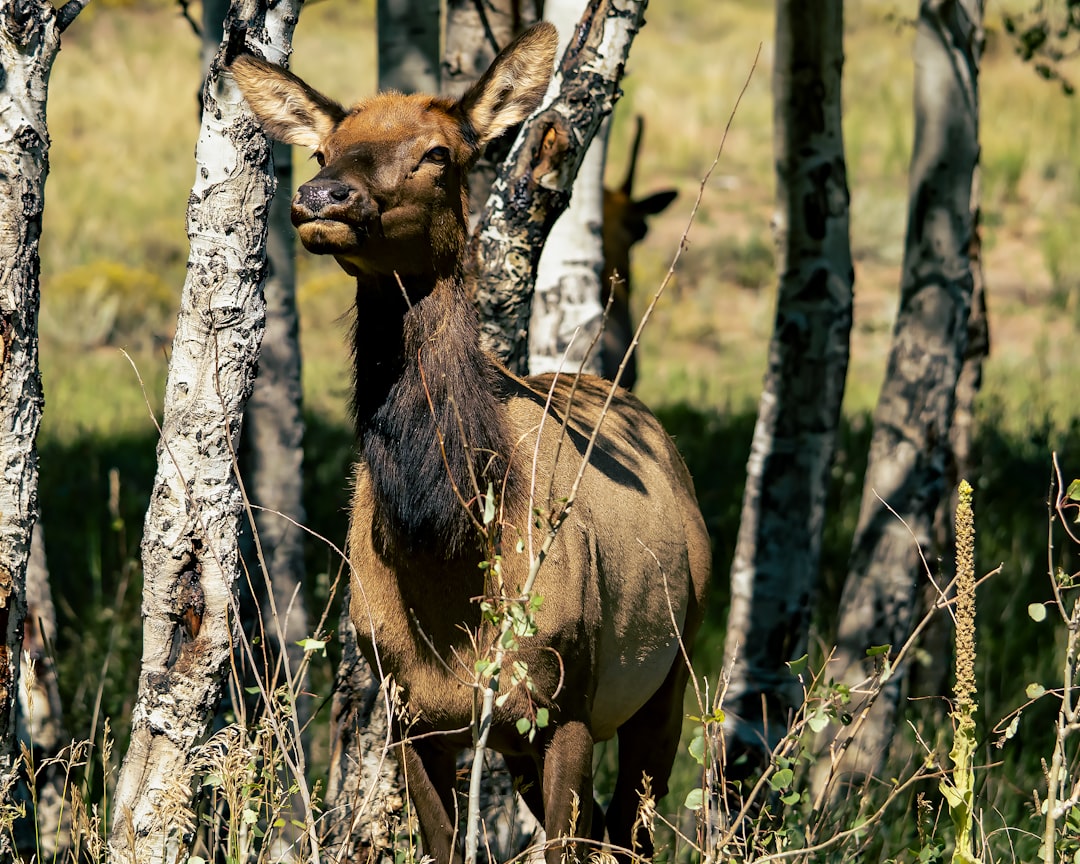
[[274, 429], [365, 791], [41, 731], [914, 416], [775, 570], [29, 41], [533, 185], [566, 313], [190, 549], [474, 34]]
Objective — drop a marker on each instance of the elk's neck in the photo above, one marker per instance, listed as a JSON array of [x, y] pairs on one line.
[[429, 406]]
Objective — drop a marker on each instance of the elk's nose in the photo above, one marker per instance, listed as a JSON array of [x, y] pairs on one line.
[[319, 194]]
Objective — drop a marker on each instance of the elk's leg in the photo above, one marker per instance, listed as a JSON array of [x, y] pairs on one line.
[[648, 742], [567, 773], [430, 772]]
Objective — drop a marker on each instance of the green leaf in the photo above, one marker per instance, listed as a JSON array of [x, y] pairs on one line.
[[798, 666], [695, 799], [195, 859], [253, 690], [541, 718], [523, 725], [1073, 492], [489, 505], [697, 749], [781, 779], [1037, 611], [817, 721], [792, 797], [878, 650], [1034, 691], [313, 645], [951, 794]]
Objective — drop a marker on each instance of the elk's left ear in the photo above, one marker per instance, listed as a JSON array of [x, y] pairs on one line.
[[514, 85], [287, 109]]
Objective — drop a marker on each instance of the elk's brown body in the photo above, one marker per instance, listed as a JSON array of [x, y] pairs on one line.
[[439, 420]]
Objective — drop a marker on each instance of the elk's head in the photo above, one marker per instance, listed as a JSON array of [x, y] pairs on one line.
[[390, 195]]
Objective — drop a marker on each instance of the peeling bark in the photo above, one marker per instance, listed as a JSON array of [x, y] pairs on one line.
[[190, 549], [41, 719], [533, 185], [774, 574], [567, 314], [914, 416], [29, 42]]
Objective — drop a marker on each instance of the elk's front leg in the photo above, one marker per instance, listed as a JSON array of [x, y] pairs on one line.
[[567, 772], [430, 771]]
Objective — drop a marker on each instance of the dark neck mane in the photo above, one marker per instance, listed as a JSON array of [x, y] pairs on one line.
[[420, 375]]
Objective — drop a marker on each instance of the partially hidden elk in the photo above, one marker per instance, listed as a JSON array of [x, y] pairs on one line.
[[625, 225], [447, 437]]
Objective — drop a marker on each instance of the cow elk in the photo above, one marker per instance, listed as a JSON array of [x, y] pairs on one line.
[[439, 422], [625, 226]]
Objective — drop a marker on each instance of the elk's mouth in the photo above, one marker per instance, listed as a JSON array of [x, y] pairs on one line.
[[330, 236]]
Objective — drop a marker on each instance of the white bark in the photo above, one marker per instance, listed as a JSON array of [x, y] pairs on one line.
[[190, 550], [567, 314], [47, 824], [29, 42]]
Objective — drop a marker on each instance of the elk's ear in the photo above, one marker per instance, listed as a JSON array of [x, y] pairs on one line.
[[287, 108], [656, 203], [514, 85]]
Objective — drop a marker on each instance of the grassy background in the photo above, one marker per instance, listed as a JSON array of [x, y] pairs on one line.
[[122, 115]]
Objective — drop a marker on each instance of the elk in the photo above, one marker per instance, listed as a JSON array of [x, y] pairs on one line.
[[439, 421], [624, 226]]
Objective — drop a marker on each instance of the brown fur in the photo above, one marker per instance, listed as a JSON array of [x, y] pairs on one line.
[[439, 420]]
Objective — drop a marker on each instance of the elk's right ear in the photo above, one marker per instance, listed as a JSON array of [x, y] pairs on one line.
[[514, 85], [287, 108]]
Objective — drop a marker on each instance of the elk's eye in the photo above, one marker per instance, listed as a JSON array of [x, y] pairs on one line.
[[438, 155], [320, 158]]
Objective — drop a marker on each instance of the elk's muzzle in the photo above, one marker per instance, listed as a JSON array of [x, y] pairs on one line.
[[332, 216]]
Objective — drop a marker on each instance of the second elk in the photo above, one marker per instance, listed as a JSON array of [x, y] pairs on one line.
[[447, 434]]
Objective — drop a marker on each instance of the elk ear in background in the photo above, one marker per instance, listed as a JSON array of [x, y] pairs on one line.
[[625, 225]]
